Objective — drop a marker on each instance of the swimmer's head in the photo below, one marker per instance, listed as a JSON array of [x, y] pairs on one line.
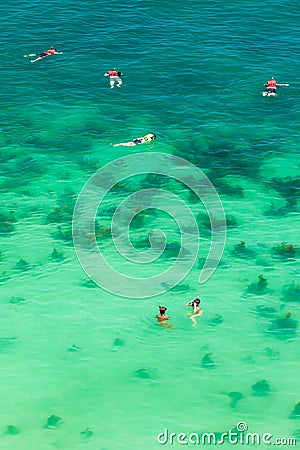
[[150, 136], [288, 315], [162, 310]]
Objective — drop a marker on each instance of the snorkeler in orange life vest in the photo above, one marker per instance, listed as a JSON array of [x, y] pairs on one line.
[[114, 76], [50, 51], [271, 87]]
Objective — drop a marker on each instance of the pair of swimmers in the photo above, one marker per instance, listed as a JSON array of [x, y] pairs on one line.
[[115, 77], [162, 317]]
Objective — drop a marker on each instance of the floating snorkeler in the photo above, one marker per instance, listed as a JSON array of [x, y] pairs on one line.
[[50, 51], [114, 76], [141, 140], [271, 87], [197, 310]]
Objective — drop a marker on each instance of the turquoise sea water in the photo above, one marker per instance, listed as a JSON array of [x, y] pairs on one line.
[[194, 73]]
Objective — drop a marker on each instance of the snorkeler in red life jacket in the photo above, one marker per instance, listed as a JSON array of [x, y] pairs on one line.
[[50, 51], [114, 76], [113, 73], [271, 87]]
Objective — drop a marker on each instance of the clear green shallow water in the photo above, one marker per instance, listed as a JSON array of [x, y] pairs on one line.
[[194, 75]]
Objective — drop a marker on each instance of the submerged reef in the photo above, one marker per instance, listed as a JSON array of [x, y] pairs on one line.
[[265, 311], [7, 222], [22, 265], [57, 255], [16, 300], [261, 388], [288, 188], [29, 167], [89, 283], [86, 433], [53, 421], [204, 222], [5, 343], [259, 287], [74, 348], [242, 251], [172, 250], [59, 214], [63, 211], [207, 361], [216, 320], [271, 354], [284, 327], [4, 277], [280, 212], [144, 374], [295, 414], [235, 397], [248, 359], [11, 430], [224, 188], [152, 180], [65, 234], [222, 155], [285, 251], [177, 287], [291, 292], [118, 342]]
